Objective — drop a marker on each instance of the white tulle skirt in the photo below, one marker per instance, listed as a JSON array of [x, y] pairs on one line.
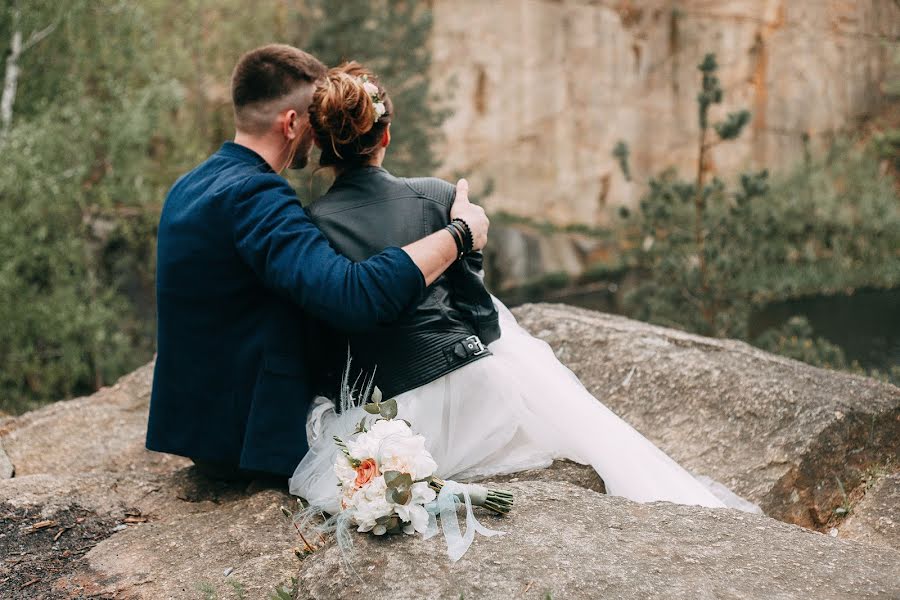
[[517, 409]]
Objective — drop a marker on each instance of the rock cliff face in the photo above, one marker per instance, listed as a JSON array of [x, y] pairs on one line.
[[542, 90], [90, 513]]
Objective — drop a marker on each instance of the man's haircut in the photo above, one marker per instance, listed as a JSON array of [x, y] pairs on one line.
[[265, 81]]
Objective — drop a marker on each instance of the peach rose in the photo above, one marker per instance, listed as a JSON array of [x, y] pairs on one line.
[[366, 471]]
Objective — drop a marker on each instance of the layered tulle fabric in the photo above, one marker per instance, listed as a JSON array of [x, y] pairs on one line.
[[517, 409]]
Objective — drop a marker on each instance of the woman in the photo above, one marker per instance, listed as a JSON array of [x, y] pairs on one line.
[[488, 397]]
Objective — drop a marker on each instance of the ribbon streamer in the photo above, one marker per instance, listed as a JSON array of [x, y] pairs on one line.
[[445, 505]]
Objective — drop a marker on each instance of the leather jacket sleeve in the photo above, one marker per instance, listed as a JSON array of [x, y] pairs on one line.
[[465, 277]]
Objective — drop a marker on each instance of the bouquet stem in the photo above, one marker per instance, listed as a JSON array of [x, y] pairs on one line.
[[498, 501]]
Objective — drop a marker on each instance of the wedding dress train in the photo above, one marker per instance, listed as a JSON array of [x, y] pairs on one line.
[[518, 409]]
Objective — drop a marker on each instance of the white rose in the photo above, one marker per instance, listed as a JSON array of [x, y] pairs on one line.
[[379, 110]]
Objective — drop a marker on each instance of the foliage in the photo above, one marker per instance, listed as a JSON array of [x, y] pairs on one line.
[[284, 592], [620, 153], [709, 255], [796, 339], [112, 106], [362, 30]]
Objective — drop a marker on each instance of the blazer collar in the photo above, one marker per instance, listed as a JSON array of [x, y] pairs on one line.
[[244, 154]]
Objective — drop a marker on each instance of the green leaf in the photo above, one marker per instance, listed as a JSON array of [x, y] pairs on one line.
[[389, 409], [390, 477], [402, 497], [372, 409]]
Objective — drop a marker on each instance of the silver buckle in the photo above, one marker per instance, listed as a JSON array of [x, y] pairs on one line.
[[473, 342]]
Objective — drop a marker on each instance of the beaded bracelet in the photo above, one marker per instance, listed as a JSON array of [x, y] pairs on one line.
[[468, 239]]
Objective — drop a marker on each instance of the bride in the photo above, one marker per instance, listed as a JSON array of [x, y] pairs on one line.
[[489, 398]]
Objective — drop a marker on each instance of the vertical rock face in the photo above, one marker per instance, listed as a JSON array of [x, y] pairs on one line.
[[541, 91]]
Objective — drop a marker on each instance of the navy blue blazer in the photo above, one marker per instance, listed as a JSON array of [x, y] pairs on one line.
[[242, 273]]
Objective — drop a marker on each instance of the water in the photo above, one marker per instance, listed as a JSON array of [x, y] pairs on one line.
[[865, 324]]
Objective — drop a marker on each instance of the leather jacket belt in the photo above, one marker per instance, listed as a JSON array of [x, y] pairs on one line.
[[403, 365]]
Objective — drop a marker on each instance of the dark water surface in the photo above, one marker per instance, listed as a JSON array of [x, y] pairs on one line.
[[865, 324]]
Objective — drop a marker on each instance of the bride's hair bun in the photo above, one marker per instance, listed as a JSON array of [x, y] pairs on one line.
[[343, 115]]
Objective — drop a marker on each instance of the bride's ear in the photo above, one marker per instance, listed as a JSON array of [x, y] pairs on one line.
[[386, 137]]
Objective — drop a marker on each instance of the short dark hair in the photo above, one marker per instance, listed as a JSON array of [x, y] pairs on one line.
[[268, 74]]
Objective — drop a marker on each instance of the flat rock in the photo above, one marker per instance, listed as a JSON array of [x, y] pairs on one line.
[[572, 543], [756, 422], [787, 436], [244, 544], [102, 432], [876, 518]]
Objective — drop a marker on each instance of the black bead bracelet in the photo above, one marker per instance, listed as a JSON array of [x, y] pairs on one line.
[[468, 239]]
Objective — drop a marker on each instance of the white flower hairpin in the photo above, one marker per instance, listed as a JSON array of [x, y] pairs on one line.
[[377, 101]]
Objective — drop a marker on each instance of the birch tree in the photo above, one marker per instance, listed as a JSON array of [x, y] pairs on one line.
[[17, 48]]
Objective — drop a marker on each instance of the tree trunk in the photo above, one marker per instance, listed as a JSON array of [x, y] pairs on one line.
[[11, 76], [700, 235]]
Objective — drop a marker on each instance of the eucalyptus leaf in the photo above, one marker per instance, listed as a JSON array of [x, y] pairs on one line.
[[389, 409], [372, 409], [403, 482], [402, 497], [391, 478]]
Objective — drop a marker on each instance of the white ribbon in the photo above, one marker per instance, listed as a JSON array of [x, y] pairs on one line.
[[445, 505]]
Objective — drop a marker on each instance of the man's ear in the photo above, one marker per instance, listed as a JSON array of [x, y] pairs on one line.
[[290, 124], [386, 138]]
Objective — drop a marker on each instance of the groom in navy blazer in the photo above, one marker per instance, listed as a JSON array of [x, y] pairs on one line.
[[242, 273]]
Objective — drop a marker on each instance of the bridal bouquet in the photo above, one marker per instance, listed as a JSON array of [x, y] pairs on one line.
[[387, 483]]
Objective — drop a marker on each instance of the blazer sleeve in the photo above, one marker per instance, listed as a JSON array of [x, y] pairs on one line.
[[277, 239]]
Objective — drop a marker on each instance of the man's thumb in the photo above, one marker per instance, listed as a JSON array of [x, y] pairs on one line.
[[462, 191]]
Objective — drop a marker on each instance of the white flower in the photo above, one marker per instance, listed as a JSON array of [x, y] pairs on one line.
[[365, 445], [346, 474], [369, 504], [414, 512], [407, 454], [370, 88], [394, 447], [379, 110]]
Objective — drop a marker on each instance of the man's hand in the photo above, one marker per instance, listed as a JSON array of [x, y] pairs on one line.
[[470, 213]]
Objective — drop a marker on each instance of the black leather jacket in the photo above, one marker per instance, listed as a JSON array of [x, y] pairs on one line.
[[367, 210]]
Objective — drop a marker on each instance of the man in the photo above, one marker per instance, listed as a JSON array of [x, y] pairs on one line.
[[242, 272]]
